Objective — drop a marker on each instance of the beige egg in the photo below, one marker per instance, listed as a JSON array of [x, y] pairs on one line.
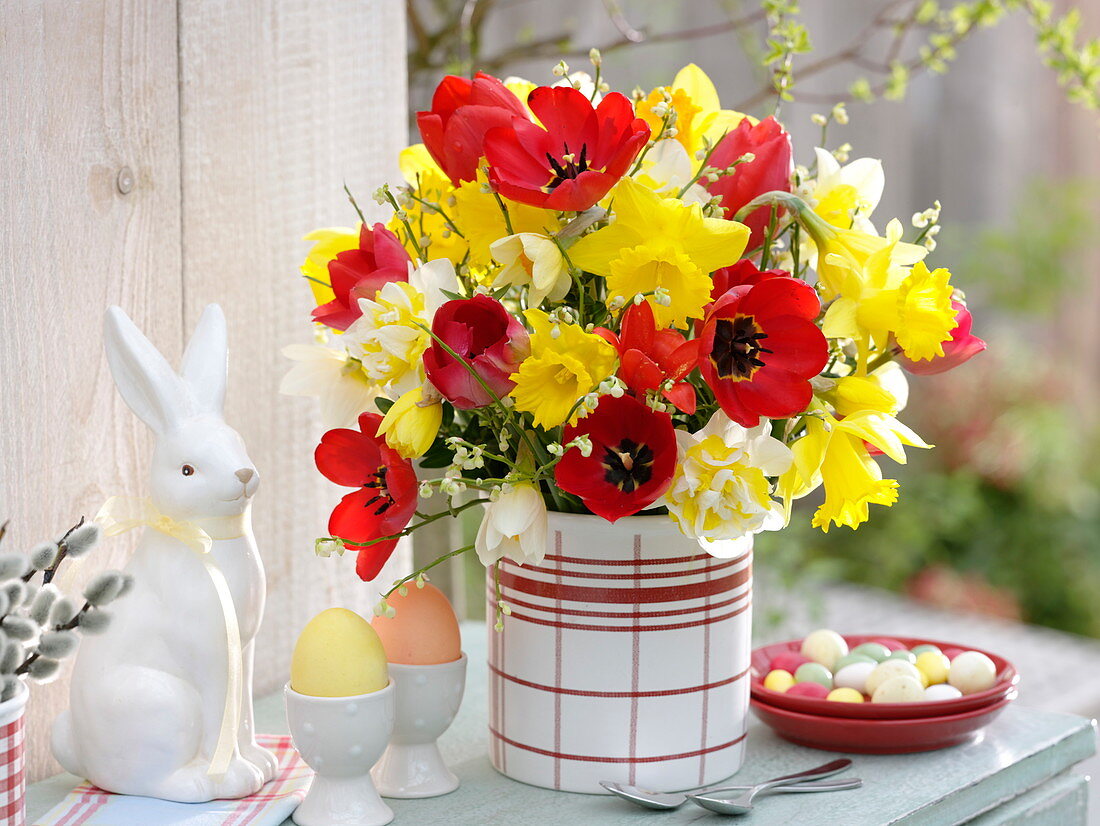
[[824, 646], [972, 672], [900, 689], [890, 668]]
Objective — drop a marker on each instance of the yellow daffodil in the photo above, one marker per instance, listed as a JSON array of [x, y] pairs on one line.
[[328, 243], [411, 424], [699, 112], [655, 242], [430, 184], [879, 298], [387, 338], [479, 217], [841, 251], [561, 369], [528, 258], [720, 489], [834, 453], [845, 196], [668, 169]]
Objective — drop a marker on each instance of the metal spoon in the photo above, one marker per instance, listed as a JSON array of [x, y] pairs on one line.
[[742, 804], [673, 800]]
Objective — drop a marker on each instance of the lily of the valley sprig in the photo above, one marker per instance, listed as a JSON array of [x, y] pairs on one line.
[[593, 303]]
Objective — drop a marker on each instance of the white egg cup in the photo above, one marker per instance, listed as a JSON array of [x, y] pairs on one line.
[[340, 738], [428, 697]]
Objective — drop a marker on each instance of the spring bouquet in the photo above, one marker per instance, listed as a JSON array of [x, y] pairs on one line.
[[596, 303]]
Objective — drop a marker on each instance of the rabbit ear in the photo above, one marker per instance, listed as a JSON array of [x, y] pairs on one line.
[[206, 360], [145, 380]]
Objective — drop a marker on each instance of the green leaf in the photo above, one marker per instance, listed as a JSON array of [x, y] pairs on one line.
[[383, 404]]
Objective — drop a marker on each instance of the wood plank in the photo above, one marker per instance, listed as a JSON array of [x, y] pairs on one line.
[[282, 102], [90, 88]]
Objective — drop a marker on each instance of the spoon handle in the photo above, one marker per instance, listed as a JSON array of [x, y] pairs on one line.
[[823, 786], [824, 770]]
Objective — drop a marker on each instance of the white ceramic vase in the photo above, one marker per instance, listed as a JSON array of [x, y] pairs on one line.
[[625, 657], [13, 759]]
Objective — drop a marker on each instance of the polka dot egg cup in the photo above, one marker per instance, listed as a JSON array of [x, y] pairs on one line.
[[428, 698], [340, 738], [1005, 687]]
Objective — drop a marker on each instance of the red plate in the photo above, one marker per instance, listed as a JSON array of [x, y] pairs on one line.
[[877, 736], [1007, 678]]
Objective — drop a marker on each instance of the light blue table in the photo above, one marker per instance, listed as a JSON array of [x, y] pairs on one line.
[[1018, 772]]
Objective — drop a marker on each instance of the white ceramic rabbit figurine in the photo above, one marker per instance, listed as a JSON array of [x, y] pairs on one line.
[[148, 697]]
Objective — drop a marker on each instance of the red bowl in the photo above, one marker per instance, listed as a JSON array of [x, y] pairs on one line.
[[1007, 678], [877, 736]]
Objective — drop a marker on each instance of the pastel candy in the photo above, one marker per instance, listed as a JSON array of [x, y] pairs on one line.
[[941, 691], [888, 669], [971, 672], [920, 649], [899, 689], [845, 695], [848, 659], [933, 665], [854, 676], [890, 642], [825, 647], [903, 654], [814, 673], [778, 680], [814, 690], [875, 650], [788, 661]]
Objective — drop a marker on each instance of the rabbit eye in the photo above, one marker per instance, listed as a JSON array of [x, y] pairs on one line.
[[187, 470]]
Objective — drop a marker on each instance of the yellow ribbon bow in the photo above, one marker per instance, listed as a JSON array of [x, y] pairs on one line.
[[120, 514]]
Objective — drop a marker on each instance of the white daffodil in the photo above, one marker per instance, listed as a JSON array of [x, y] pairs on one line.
[[513, 526], [532, 259], [389, 337], [720, 489], [431, 280], [845, 196], [667, 169], [336, 379]]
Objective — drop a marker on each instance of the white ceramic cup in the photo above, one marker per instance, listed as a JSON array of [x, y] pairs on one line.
[[428, 697], [340, 738]]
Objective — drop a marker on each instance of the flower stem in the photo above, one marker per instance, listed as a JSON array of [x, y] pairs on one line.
[[415, 574]]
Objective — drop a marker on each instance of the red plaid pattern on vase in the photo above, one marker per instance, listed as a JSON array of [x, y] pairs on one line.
[[13, 775], [624, 657]]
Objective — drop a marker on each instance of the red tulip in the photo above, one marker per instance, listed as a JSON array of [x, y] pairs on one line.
[[488, 337], [759, 349], [361, 273], [632, 460], [463, 110], [744, 272], [575, 160], [649, 357], [771, 170], [386, 495], [961, 347]]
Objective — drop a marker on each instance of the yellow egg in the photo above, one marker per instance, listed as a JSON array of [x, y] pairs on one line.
[[845, 695], [934, 666], [779, 680], [338, 655]]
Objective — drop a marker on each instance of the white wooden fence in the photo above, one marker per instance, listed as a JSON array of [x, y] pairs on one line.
[[161, 156]]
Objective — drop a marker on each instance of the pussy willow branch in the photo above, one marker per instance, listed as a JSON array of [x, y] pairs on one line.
[[72, 624], [62, 551]]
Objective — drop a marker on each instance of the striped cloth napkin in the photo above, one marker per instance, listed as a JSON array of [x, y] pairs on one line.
[[88, 806]]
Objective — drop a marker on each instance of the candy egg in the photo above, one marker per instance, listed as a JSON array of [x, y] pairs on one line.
[[875, 650], [899, 689], [903, 654], [920, 649], [854, 676], [423, 629], [888, 669], [787, 661], [951, 652], [825, 647], [338, 655], [778, 680], [815, 690], [941, 691], [933, 665], [848, 659], [972, 672], [814, 673], [845, 695]]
